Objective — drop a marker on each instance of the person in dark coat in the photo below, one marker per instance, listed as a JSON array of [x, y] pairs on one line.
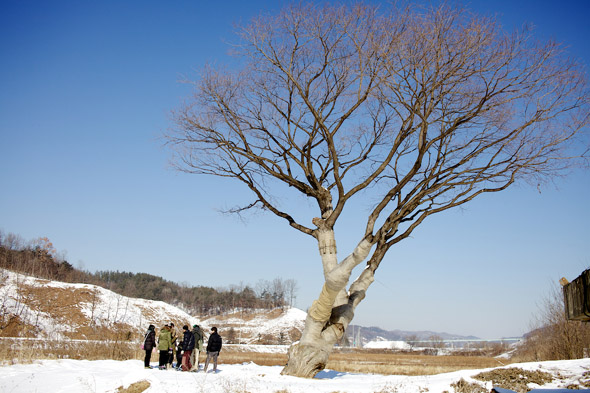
[[149, 342], [188, 344], [213, 348]]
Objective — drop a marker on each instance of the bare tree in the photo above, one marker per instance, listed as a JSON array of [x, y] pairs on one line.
[[554, 336], [418, 111], [278, 292], [290, 291], [412, 340], [436, 342]]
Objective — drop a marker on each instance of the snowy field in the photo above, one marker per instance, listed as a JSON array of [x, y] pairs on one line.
[[77, 376]]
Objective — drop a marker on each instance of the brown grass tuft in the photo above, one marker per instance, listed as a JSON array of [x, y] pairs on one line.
[[462, 386], [515, 378], [136, 387]]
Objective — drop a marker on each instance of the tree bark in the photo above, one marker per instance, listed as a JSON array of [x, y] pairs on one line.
[[306, 360], [329, 315]]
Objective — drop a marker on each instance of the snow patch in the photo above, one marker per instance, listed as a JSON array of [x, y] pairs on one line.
[[73, 376], [383, 344]]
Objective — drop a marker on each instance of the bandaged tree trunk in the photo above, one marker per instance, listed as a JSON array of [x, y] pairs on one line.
[[331, 313]]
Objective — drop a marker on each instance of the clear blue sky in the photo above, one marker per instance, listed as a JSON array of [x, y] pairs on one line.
[[86, 89]]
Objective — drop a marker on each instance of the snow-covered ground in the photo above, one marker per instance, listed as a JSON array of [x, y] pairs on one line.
[[250, 329], [384, 344], [108, 375], [35, 302]]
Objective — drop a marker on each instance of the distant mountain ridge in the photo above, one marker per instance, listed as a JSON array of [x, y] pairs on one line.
[[374, 333]]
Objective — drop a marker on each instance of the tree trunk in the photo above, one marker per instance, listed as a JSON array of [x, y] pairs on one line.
[[306, 360], [310, 355], [329, 315]]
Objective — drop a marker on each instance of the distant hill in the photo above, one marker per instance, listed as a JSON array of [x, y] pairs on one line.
[[39, 308], [374, 333], [39, 259], [33, 307]]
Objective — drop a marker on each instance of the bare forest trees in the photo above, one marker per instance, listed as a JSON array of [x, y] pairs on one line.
[[554, 336], [416, 111], [38, 258], [278, 292]]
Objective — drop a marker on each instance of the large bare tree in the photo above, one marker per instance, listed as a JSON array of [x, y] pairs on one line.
[[417, 110]]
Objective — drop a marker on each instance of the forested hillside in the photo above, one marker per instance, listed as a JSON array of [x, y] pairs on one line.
[[38, 258]]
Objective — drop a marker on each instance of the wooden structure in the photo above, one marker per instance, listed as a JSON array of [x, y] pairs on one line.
[[576, 296]]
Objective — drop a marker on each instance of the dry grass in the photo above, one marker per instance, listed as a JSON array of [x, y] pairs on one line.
[[389, 363], [136, 387], [357, 361], [231, 356], [515, 378], [61, 303], [375, 362], [64, 305], [462, 386], [14, 351]]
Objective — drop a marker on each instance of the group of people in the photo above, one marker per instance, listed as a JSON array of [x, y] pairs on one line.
[[187, 348]]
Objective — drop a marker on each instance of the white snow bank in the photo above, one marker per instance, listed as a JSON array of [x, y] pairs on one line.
[[107, 375], [261, 324], [382, 344]]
